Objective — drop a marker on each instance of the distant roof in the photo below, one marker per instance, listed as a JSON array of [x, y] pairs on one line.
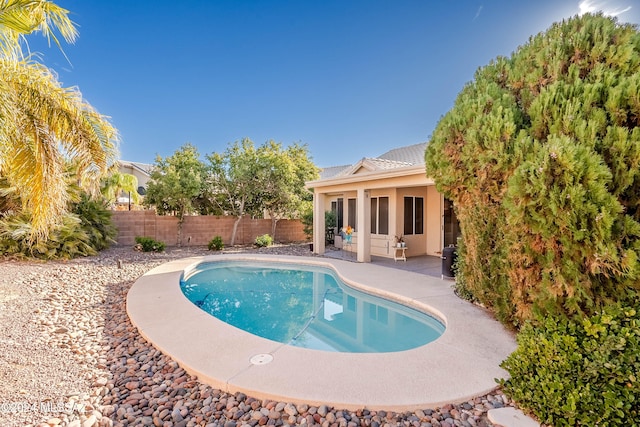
[[409, 155], [330, 172], [142, 167]]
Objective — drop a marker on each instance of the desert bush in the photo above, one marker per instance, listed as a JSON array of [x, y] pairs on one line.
[[66, 240], [264, 241], [216, 244], [95, 220], [147, 244]]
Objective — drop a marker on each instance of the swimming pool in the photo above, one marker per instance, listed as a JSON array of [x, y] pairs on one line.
[[305, 306], [461, 364]]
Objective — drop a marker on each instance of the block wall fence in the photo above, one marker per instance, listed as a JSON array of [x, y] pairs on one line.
[[201, 229]]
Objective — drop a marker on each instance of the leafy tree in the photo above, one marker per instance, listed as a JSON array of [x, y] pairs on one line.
[[43, 125], [541, 156], [249, 180], [175, 182], [234, 182], [283, 173]]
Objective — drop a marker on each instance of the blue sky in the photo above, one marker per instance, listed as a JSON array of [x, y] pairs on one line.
[[349, 78]]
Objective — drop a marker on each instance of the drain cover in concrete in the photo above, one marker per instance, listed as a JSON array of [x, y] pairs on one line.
[[261, 359], [510, 417]]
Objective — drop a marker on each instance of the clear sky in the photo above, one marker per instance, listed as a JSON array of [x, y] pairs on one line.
[[349, 78]]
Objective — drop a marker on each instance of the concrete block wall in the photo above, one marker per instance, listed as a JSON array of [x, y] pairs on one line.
[[200, 229]]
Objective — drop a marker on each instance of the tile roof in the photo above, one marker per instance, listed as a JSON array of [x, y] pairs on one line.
[[143, 167], [397, 158], [333, 171], [411, 154], [381, 163]]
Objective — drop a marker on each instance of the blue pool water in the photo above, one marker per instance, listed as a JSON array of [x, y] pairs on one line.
[[305, 306]]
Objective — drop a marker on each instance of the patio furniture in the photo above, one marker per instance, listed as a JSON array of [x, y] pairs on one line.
[[399, 253]]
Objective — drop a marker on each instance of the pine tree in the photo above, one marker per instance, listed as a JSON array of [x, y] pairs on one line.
[[541, 156]]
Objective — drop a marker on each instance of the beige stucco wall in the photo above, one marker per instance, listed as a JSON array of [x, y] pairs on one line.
[[417, 243], [433, 221]]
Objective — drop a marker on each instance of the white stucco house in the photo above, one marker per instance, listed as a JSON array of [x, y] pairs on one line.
[[142, 171], [381, 198]]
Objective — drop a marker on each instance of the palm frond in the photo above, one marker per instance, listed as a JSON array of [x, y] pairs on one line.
[[43, 126], [21, 17]]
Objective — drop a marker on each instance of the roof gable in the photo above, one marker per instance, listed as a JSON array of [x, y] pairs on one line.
[[143, 168], [410, 155]]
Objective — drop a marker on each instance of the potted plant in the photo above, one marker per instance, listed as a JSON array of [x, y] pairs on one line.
[[330, 226], [347, 232], [400, 241]]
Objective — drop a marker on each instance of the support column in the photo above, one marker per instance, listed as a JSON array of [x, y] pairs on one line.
[[364, 226], [318, 223]]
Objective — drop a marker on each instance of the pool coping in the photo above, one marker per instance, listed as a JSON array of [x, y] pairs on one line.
[[463, 363]]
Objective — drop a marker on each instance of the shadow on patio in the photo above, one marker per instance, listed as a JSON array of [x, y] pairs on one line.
[[423, 264]]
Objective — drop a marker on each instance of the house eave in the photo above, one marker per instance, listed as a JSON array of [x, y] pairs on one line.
[[371, 176]]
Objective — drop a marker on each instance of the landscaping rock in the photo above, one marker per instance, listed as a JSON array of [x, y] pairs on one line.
[[65, 337]]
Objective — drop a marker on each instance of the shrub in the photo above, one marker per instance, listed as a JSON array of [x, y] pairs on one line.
[[330, 219], [86, 229], [264, 241], [307, 223], [540, 156], [95, 220], [67, 240], [147, 244], [579, 372], [216, 244]]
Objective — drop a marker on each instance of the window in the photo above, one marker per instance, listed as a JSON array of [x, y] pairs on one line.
[[380, 215], [374, 215], [339, 212], [413, 215], [351, 212], [351, 303], [378, 313], [451, 225]]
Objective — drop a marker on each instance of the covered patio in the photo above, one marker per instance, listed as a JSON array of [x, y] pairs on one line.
[[385, 200]]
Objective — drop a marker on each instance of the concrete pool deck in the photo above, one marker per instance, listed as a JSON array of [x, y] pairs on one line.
[[463, 363]]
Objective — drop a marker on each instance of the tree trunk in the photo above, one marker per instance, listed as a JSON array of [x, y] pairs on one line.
[[274, 223], [235, 229], [180, 222]]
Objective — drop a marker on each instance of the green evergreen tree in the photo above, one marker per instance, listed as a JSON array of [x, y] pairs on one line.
[[541, 156]]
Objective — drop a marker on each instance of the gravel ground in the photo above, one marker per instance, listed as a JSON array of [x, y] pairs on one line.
[[69, 356]]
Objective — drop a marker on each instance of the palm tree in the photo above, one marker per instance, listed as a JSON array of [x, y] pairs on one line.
[[116, 183], [43, 125], [21, 17]]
